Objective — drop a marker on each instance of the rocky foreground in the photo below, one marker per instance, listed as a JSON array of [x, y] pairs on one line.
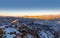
[[11, 27]]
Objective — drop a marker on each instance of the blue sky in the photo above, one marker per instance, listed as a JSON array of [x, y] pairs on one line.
[[27, 4], [30, 6]]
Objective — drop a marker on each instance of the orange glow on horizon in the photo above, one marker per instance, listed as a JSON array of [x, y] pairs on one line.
[[47, 17]]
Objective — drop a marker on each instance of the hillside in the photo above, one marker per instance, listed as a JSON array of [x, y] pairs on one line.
[[17, 27]]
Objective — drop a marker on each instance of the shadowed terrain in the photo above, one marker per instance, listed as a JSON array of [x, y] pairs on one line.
[[19, 27]]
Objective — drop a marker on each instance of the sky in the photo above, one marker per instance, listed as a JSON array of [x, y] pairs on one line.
[[29, 7]]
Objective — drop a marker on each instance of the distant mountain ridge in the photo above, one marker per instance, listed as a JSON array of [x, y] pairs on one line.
[[47, 17]]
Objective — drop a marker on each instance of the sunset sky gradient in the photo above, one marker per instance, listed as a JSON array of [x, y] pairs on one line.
[[29, 7]]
